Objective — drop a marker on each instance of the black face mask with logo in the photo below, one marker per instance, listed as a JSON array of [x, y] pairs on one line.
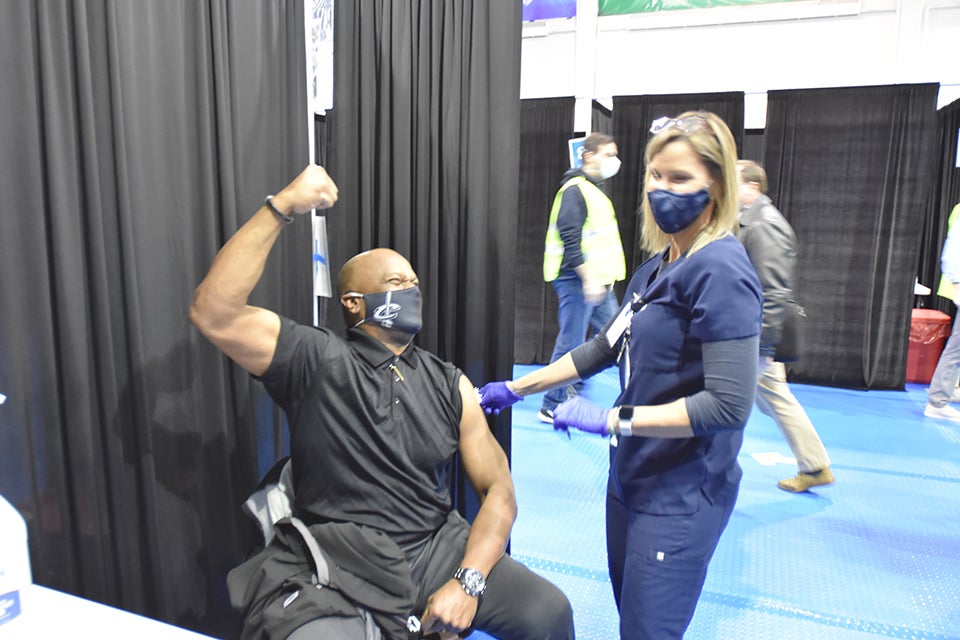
[[398, 310]]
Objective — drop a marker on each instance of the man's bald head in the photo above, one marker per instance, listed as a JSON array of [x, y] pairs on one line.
[[374, 271]]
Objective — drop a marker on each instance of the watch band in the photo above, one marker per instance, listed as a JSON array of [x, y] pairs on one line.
[[625, 421]]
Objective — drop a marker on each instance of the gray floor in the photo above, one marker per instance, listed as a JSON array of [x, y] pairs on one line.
[[877, 555]]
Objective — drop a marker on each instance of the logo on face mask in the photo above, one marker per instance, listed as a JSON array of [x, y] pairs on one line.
[[385, 314]]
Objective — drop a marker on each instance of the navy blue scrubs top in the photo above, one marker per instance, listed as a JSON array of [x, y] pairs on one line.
[[712, 295]]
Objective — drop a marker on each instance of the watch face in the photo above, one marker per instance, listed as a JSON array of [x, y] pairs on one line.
[[472, 581]]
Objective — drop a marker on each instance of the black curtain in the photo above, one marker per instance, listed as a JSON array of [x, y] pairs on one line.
[[753, 146], [546, 124], [940, 202], [601, 118], [136, 137], [632, 116], [851, 169], [425, 129]]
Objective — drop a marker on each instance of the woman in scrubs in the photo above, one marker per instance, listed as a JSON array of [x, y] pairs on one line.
[[686, 342]]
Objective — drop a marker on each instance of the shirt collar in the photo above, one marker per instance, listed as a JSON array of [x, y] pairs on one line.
[[375, 353]]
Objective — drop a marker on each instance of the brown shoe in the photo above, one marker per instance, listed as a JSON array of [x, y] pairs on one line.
[[803, 481]]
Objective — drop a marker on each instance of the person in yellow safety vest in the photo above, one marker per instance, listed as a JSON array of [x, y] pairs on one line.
[[583, 255], [943, 384]]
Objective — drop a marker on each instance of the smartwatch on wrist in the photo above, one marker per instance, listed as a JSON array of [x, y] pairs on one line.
[[472, 581], [625, 421]]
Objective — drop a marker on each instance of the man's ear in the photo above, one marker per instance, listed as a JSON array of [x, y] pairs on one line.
[[351, 304], [353, 308]]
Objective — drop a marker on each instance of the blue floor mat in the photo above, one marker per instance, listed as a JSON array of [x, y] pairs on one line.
[[876, 555]]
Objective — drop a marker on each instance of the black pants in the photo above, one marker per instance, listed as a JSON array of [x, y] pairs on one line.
[[517, 605]]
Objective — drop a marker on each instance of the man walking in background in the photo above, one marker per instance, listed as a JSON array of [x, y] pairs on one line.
[[583, 255], [771, 245], [943, 384]]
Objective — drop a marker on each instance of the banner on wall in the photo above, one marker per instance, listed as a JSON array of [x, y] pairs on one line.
[[546, 9], [618, 7]]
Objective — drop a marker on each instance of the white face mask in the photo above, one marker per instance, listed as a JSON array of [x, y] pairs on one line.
[[609, 167]]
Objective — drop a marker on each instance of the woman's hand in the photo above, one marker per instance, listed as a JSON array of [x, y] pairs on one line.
[[496, 396], [580, 413]]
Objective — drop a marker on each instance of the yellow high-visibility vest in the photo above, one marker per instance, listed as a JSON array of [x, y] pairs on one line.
[[600, 239]]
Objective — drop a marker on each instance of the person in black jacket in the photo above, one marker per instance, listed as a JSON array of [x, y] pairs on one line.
[[375, 423], [771, 245]]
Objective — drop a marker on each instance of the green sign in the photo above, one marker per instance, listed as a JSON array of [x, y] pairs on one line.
[[618, 7]]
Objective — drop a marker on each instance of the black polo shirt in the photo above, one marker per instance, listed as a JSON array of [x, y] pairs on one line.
[[372, 435]]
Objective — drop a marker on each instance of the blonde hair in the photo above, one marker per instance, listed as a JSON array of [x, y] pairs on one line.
[[714, 144]]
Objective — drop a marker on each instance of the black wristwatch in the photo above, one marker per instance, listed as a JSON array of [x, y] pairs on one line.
[[472, 581], [625, 421]]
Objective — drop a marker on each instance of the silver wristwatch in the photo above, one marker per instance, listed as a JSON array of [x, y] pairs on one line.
[[472, 581]]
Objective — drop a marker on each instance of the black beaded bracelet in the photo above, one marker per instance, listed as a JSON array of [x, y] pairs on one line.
[[284, 218]]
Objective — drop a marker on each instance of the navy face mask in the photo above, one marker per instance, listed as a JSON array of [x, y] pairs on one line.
[[399, 310], [674, 211]]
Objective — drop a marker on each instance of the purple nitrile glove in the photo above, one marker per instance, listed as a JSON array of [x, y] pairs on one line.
[[580, 413], [496, 396]]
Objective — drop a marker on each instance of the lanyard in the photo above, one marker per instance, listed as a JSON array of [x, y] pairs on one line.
[[620, 328]]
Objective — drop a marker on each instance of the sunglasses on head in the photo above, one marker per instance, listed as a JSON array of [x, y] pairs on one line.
[[687, 124]]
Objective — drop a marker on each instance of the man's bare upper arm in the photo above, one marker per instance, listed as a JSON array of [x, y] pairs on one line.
[[483, 458], [249, 339]]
